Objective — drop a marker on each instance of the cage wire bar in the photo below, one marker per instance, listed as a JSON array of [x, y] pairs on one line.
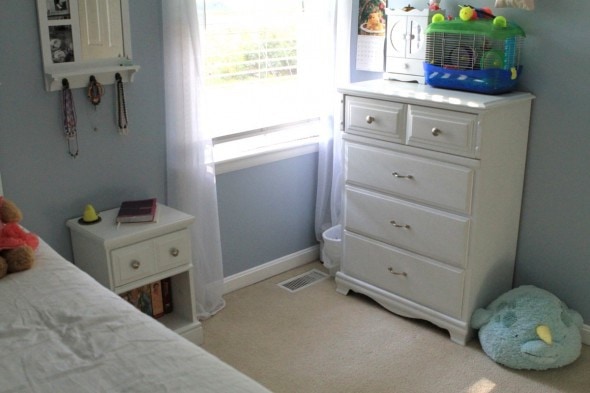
[[472, 51]]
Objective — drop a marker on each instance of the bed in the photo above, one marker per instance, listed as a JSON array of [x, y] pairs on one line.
[[61, 331]]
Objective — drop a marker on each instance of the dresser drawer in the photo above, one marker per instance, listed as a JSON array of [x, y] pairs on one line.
[[436, 183], [133, 262], [407, 275], [173, 250], [425, 231], [375, 118], [442, 130]]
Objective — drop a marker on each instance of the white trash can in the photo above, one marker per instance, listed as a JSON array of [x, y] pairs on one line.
[[332, 248]]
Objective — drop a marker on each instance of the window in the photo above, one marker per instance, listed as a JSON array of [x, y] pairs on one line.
[[258, 73]]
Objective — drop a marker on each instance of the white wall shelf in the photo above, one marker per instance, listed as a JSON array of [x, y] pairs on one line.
[[83, 38], [80, 76]]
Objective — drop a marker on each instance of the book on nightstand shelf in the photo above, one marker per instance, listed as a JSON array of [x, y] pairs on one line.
[[157, 301], [154, 299], [167, 295], [141, 298], [142, 210]]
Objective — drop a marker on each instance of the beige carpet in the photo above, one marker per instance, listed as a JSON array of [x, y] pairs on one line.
[[317, 340]]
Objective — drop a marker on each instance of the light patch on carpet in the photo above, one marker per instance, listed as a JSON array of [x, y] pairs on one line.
[[304, 280], [484, 385]]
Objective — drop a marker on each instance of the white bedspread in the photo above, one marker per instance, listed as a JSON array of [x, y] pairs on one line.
[[61, 331]]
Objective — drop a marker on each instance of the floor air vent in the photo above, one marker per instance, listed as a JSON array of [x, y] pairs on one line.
[[304, 280]]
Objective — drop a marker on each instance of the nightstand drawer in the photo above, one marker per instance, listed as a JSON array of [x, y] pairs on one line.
[[407, 275], [442, 130], [434, 182], [375, 118], [173, 250], [425, 231], [133, 262]]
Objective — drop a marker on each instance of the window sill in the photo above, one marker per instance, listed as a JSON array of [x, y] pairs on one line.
[[266, 155]]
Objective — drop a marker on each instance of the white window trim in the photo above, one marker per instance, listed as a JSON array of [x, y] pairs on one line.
[[267, 155], [290, 143]]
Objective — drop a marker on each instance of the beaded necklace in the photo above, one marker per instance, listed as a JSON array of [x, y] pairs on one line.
[[122, 121], [69, 119], [95, 91]]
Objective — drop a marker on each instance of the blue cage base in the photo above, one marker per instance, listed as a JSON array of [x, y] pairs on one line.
[[488, 81]]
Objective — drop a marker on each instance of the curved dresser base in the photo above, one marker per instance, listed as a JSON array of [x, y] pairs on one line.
[[459, 331]]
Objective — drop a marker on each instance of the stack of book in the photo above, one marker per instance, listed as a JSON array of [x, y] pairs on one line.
[[154, 299], [143, 210]]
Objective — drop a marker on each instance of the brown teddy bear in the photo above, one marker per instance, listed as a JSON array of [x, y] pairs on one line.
[[17, 247]]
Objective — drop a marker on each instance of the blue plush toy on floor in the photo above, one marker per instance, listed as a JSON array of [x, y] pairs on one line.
[[529, 328]]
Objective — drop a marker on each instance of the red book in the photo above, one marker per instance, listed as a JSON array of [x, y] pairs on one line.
[[143, 210]]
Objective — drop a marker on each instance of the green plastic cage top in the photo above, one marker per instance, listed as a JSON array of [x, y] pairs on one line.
[[480, 55]]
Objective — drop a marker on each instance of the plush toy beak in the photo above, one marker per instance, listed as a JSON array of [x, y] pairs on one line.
[[544, 334]]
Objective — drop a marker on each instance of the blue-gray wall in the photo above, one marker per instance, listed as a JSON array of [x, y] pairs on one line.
[[266, 212], [51, 187], [37, 171]]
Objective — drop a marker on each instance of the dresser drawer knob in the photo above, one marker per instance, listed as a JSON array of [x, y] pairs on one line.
[[436, 131], [135, 264], [395, 174], [174, 252], [370, 119], [390, 269], [396, 225]]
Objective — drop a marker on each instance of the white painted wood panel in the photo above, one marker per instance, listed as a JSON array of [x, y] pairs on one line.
[[417, 228], [434, 182], [101, 30], [409, 275]]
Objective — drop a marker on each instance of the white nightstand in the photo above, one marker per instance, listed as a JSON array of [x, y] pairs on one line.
[[131, 255]]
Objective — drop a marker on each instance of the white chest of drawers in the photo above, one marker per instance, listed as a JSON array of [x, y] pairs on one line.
[[432, 196], [128, 256]]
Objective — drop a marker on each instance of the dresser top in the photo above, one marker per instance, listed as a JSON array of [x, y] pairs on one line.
[[424, 94]]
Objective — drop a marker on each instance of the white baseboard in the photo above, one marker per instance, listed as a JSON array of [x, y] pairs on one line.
[[586, 334], [272, 268]]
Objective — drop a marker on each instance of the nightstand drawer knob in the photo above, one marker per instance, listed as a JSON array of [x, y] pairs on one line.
[[370, 119], [135, 264], [174, 252], [436, 131]]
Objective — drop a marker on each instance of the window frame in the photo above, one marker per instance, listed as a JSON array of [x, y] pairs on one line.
[[225, 142]]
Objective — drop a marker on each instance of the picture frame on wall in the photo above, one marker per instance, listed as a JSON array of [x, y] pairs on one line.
[[61, 44], [58, 9]]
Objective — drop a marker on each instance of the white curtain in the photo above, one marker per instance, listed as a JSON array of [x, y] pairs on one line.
[[191, 172], [336, 71]]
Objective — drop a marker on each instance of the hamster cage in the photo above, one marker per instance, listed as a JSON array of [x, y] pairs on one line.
[[480, 55]]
